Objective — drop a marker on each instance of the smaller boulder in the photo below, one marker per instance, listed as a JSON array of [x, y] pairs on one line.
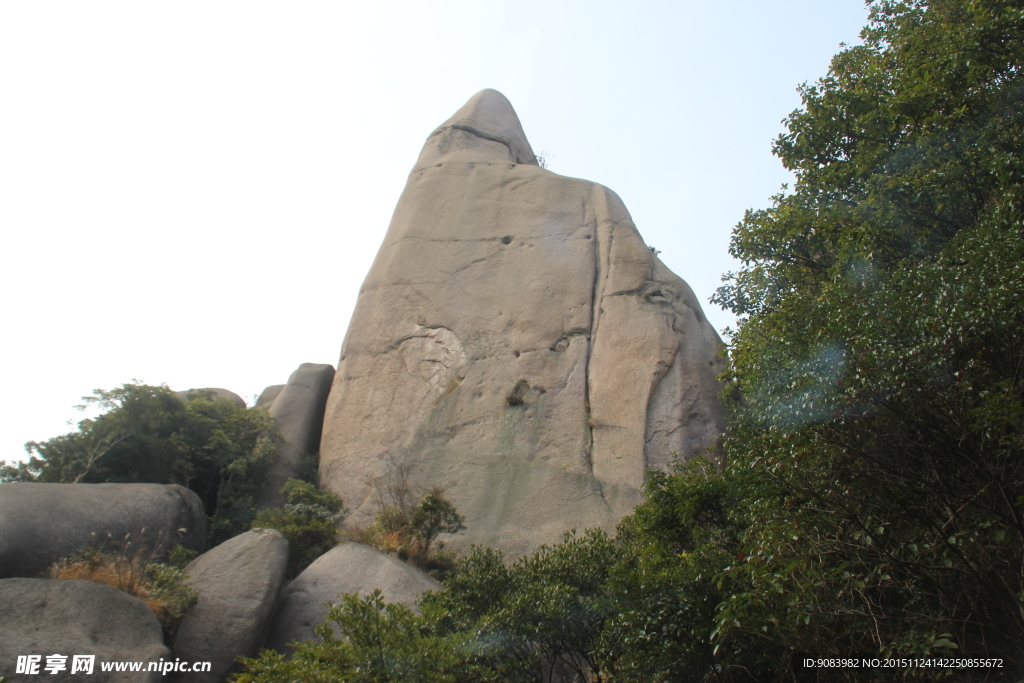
[[299, 411], [266, 398], [238, 582], [42, 618], [222, 394], [42, 523], [347, 568]]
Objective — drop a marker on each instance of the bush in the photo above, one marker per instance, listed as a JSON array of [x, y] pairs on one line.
[[490, 622], [308, 520], [409, 532], [371, 642]]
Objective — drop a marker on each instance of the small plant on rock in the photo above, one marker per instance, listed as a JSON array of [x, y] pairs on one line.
[[308, 520], [410, 532]]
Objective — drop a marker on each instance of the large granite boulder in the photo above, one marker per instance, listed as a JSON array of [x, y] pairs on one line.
[[41, 523], [517, 343], [238, 582], [215, 392], [347, 568], [299, 411], [41, 618]]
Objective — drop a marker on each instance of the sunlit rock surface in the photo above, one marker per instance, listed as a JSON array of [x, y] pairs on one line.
[[517, 343]]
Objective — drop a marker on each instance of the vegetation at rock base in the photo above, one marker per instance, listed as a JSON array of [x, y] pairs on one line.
[[491, 622], [872, 494], [409, 522], [410, 531], [148, 435], [163, 587], [309, 522]]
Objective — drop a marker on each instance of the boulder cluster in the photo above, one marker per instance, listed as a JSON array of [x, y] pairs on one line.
[[515, 344], [243, 603]]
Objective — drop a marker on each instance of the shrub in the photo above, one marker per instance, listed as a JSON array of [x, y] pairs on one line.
[[308, 520], [536, 620], [371, 642], [410, 532]]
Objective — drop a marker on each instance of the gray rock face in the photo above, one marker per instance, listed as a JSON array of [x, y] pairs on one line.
[[222, 394], [41, 523], [41, 617], [517, 343], [238, 582], [266, 398], [299, 411], [347, 568]]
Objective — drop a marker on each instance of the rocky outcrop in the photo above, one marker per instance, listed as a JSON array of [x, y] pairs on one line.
[[299, 411], [347, 568], [41, 523], [41, 618], [517, 343], [238, 582], [217, 393]]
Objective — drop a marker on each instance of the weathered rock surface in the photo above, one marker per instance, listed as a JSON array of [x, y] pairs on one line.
[[238, 582], [41, 617], [267, 396], [41, 523], [517, 343], [222, 394], [299, 411], [347, 568]]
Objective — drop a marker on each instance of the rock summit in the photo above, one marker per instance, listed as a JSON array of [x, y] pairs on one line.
[[518, 344]]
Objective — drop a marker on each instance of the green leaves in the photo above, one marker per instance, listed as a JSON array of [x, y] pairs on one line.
[[149, 435], [880, 348], [308, 521]]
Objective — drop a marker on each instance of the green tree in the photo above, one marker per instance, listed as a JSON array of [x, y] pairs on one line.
[[880, 349], [667, 582], [149, 435], [309, 520], [434, 515]]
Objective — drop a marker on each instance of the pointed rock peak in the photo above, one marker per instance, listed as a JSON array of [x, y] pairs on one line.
[[485, 120]]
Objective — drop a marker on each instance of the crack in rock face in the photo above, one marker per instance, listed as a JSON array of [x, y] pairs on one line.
[[517, 343]]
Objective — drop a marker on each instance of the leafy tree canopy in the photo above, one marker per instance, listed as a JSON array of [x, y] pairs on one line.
[[880, 350], [149, 435]]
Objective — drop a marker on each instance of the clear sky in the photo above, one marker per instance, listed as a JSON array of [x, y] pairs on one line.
[[191, 193]]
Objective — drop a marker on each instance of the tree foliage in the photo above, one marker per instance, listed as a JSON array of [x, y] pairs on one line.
[[530, 621], [149, 435], [880, 350], [309, 521], [409, 529]]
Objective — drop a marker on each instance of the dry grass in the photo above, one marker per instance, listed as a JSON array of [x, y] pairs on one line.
[[123, 572], [132, 573], [400, 543]]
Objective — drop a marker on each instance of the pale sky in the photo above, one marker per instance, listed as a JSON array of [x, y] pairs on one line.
[[191, 193]]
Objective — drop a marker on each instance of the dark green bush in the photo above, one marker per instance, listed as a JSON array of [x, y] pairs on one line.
[[309, 520]]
